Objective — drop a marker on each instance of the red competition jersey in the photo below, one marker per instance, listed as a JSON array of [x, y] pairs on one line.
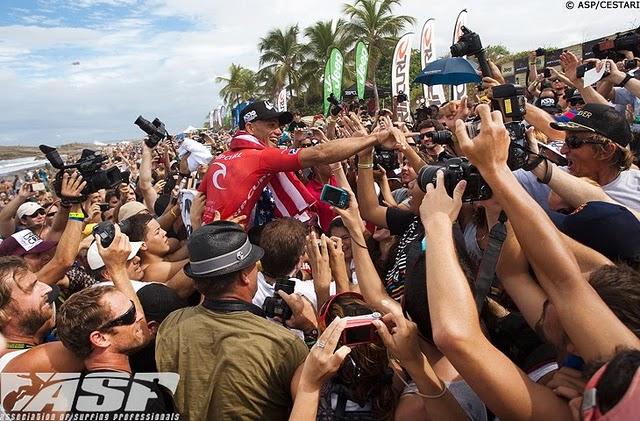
[[236, 178]]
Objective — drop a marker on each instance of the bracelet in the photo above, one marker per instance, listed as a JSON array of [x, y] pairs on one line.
[[353, 240], [365, 166], [548, 173], [76, 219], [65, 204], [626, 79], [76, 215], [439, 395]]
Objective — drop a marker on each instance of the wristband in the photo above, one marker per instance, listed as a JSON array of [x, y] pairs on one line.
[[76, 215], [627, 78], [548, 172], [76, 219], [365, 166], [65, 204]]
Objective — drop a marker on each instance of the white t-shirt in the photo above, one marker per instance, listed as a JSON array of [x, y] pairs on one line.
[[200, 154], [304, 288], [625, 189], [624, 97]]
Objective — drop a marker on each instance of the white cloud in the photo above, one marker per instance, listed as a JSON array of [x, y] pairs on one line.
[[130, 66]]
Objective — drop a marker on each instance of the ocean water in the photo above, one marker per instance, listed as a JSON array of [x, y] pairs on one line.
[[20, 165]]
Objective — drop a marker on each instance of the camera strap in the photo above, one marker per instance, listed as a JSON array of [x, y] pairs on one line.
[[229, 306], [487, 270]]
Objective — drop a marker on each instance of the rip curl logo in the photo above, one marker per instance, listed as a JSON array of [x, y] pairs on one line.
[[107, 393], [221, 172], [251, 115]]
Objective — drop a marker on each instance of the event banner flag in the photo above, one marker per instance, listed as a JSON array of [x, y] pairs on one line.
[[281, 103], [400, 74], [362, 62], [327, 85], [337, 62], [457, 92], [213, 116], [433, 95]]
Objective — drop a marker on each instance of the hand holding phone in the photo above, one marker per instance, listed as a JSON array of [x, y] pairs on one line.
[[335, 196]]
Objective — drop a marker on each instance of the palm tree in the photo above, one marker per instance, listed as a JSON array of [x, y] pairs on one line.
[[241, 84], [373, 22], [322, 38], [280, 50]]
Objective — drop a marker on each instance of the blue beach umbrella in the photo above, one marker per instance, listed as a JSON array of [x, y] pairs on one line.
[[448, 71]]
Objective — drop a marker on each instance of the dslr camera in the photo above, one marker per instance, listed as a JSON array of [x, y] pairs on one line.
[[275, 306], [90, 168], [510, 100], [469, 44], [387, 159], [155, 130], [106, 230], [401, 97], [455, 170], [610, 48]]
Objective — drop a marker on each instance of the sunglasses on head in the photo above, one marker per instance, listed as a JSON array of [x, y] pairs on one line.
[[127, 319], [37, 213], [574, 142]]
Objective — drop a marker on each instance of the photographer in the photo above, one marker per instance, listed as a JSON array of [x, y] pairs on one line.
[[248, 375]]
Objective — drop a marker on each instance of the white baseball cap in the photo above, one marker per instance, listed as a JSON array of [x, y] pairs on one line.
[[28, 209], [95, 260]]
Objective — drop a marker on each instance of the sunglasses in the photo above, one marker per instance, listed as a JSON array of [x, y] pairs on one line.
[[127, 319], [37, 213], [573, 142]]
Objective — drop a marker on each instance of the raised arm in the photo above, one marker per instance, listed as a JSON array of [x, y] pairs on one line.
[[8, 213], [149, 194], [372, 211], [504, 388], [570, 62], [591, 325], [67, 249]]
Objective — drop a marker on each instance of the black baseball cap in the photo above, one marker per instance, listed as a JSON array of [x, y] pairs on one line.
[[263, 110], [601, 119]]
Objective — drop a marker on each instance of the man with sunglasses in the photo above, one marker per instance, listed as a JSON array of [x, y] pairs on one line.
[[595, 147], [235, 179]]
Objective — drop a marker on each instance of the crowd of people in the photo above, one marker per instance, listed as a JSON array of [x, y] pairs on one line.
[[476, 266]]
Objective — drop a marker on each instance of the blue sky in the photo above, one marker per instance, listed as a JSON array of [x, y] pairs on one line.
[[160, 57]]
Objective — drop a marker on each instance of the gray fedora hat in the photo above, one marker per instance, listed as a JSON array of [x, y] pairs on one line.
[[220, 248]]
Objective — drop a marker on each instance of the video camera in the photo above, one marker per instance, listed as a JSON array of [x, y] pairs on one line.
[[469, 44], [90, 168], [609, 48], [275, 306], [155, 130], [401, 97]]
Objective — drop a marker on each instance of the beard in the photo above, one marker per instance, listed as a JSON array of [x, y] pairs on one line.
[[33, 321]]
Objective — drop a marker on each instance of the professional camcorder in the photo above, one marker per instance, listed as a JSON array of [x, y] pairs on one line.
[[275, 306], [469, 44], [90, 168], [610, 48], [155, 130]]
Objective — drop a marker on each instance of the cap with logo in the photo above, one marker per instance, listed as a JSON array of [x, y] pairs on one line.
[[263, 110], [601, 119], [28, 209], [219, 248], [25, 242], [95, 260], [548, 104]]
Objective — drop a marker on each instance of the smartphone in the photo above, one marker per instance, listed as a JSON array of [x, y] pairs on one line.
[[360, 330], [553, 156], [37, 187], [547, 72], [335, 196]]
